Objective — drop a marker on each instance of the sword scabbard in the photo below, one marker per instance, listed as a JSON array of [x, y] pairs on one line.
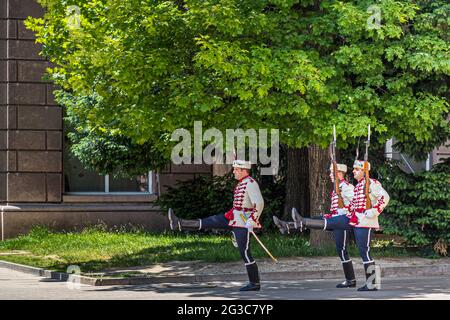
[[259, 241]]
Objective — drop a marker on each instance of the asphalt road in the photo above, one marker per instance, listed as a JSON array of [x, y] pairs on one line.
[[16, 285]]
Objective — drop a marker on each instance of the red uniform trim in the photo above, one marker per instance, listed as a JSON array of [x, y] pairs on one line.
[[244, 178]]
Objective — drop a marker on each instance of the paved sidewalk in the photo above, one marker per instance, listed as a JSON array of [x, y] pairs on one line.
[[314, 264], [17, 285], [287, 269]]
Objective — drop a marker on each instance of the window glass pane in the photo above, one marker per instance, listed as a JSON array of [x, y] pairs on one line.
[[78, 179], [138, 184]]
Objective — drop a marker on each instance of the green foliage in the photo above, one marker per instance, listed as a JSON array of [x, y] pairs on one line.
[[200, 197], [419, 151], [419, 206], [377, 157], [96, 250], [299, 66], [115, 155], [106, 151], [203, 197]]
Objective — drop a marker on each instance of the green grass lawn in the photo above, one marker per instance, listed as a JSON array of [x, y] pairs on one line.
[[95, 249]]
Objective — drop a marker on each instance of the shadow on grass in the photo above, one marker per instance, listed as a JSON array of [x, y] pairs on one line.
[[205, 252], [182, 251], [186, 248]]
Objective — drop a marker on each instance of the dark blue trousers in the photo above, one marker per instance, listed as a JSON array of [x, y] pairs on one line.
[[340, 227], [242, 235]]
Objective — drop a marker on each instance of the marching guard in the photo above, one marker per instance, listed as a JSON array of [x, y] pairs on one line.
[[248, 205], [368, 202], [340, 203], [360, 218]]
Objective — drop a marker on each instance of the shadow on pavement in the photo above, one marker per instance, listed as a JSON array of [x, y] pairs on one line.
[[317, 289]]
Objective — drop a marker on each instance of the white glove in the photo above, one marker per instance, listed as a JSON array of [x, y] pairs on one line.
[[250, 224], [341, 211]]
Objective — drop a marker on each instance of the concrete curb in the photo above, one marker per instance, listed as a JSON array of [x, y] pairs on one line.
[[388, 272], [61, 276]]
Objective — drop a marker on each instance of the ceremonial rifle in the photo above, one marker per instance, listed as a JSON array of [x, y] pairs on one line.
[[335, 171], [366, 171]]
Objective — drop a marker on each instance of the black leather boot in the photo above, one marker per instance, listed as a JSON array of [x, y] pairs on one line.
[[182, 224], [307, 223], [350, 281], [372, 286], [283, 226], [253, 277]]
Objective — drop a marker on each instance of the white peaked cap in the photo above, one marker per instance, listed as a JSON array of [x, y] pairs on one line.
[[242, 164], [340, 167]]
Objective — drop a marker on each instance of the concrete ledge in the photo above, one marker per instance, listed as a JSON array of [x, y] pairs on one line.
[[94, 207], [82, 198], [19, 219], [388, 272]]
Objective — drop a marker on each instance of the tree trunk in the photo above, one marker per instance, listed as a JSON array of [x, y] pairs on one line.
[[219, 170], [297, 186], [319, 188]]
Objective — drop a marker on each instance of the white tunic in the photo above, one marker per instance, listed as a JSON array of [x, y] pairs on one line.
[[347, 192], [368, 218], [248, 204]]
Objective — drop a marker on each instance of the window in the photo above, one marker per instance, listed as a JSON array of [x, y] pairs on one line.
[[407, 164], [77, 180]]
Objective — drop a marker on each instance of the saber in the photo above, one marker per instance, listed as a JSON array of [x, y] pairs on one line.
[[259, 241]]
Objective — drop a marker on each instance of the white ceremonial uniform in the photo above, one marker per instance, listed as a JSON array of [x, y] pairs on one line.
[[368, 218], [248, 201], [347, 193]]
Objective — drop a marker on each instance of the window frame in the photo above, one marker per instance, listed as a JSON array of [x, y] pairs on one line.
[[108, 192]]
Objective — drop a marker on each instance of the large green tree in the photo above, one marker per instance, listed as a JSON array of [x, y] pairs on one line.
[[296, 65], [300, 66]]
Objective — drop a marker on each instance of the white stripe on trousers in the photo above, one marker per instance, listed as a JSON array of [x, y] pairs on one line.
[[246, 249], [368, 245], [343, 248]]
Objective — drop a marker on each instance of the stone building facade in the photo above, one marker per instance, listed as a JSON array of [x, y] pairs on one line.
[[33, 181], [31, 122]]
